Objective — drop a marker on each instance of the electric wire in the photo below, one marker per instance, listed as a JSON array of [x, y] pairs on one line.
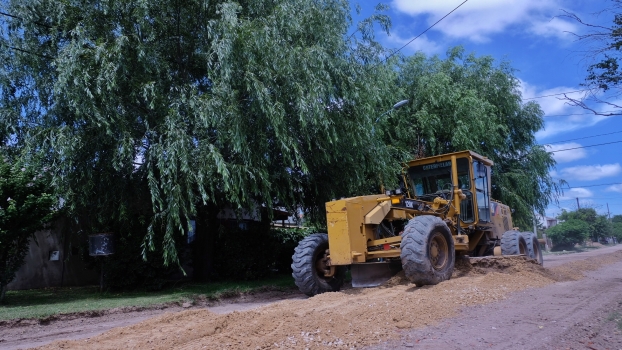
[[600, 144], [425, 31], [561, 93], [598, 185], [26, 51], [569, 115], [20, 18], [581, 138], [9, 15]]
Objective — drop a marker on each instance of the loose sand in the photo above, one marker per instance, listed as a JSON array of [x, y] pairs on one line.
[[353, 318]]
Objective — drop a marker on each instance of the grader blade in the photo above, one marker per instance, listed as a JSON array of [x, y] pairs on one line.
[[373, 274]]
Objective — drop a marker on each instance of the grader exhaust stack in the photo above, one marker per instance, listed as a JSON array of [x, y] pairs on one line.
[[444, 209]]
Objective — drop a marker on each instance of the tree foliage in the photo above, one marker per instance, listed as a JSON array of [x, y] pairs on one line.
[[469, 102], [148, 110], [252, 102], [26, 205], [605, 50], [568, 233], [599, 226], [616, 227]]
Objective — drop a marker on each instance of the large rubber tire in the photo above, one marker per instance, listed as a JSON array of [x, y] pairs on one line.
[[306, 276], [513, 243], [428, 254], [533, 246]]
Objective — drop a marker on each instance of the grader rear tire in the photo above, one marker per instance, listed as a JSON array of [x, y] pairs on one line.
[[513, 243], [533, 246], [307, 272], [427, 251]]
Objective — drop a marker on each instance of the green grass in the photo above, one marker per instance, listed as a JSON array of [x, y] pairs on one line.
[[617, 318], [576, 249], [40, 303]]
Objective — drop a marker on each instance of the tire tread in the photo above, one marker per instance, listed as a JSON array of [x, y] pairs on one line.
[[303, 269], [415, 262]]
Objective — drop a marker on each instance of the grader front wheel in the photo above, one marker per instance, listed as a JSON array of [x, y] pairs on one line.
[[310, 271], [513, 243], [427, 250], [533, 246]]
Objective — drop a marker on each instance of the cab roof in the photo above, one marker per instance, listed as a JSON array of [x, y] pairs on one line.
[[447, 156]]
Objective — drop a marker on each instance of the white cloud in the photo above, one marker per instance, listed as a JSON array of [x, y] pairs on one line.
[[566, 156], [556, 27], [478, 19], [559, 116], [590, 172], [615, 188], [576, 193], [422, 44], [554, 103]]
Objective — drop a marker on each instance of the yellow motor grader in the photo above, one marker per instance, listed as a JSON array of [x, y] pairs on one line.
[[442, 209]]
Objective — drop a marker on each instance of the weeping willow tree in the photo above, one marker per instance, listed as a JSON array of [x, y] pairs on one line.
[[467, 102], [146, 109]]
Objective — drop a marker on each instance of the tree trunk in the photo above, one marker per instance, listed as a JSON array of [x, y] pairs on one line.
[[207, 225], [2, 293]]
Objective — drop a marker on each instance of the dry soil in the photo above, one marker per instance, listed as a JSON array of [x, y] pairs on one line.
[[452, 314]]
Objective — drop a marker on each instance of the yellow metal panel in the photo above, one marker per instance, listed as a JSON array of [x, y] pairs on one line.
[[338, 233], [454, 178], [461, 242], [461, 246], [346, 230], [476, 237], [390, 240], [398, 214], [376, 215], [393, 253], [447, 157]]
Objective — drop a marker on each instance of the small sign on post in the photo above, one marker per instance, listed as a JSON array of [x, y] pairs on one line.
[[101, 244]]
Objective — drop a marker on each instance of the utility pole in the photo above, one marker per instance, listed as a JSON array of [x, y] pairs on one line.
[[578, 206], [608, 213], [535, 226]]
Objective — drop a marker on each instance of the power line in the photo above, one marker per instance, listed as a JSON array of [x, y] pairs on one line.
[[610, 184], [23, 50], [581, 138], [561, 93], [28, 52], [599, 198], [21, 18], [600, 144], [568, 115], [9, 15], [425, 31]]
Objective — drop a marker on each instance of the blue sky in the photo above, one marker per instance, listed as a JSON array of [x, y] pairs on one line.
[[534, 36]]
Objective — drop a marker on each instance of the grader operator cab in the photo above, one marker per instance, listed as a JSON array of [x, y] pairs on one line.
[[443, 209]]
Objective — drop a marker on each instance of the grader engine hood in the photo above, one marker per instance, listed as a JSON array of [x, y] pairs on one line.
[[345, 220], [352, 223]]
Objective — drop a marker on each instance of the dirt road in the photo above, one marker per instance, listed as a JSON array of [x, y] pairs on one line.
[[31, 333], [565, 315], [556, 260], [508, 304]]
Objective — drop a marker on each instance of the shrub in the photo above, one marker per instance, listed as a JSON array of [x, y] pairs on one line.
[[25, 207], [568, 233], [256, 252]]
